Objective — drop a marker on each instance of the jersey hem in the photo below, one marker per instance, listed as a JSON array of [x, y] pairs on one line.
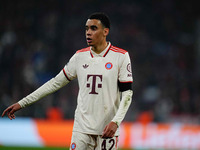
[[93, 133]]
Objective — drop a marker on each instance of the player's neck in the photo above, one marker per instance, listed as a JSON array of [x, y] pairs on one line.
[[99, 48]]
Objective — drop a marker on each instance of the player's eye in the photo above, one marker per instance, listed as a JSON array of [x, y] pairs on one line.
[[93, 28], [86, 28]]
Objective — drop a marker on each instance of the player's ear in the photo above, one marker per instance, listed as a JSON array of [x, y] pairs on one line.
[[106, 31]]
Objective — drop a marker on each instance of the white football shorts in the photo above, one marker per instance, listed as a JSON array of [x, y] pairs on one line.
[[81, 141]]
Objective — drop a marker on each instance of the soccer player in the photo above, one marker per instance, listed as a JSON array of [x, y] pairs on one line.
[[105, 88]]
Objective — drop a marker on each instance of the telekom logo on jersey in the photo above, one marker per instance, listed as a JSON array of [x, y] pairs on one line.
[[94, 79]]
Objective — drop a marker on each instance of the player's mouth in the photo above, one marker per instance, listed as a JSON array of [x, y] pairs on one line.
[[89, 40]]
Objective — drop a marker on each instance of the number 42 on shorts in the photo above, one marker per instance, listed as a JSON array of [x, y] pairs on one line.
[[109, 144]]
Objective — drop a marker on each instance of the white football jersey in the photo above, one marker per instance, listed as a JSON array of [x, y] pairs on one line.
[[98, 76]]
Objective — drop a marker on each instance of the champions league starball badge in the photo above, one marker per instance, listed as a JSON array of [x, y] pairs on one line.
[[129, 68], [109, 65]]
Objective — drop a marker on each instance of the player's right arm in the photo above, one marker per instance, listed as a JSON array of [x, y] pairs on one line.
[[49, 87], [64, 77]]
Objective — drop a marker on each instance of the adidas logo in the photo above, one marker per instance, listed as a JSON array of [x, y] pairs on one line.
[[85, 66]]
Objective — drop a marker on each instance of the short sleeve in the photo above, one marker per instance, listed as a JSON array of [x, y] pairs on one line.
[[125, 70], [70, 68]]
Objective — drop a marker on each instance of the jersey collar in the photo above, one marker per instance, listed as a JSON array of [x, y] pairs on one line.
[[103, 53]]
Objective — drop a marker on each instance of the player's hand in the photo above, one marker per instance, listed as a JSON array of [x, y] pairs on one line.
[[109, 130], [11, 110]]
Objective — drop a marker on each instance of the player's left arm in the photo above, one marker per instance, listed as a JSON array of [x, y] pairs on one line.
[[125, 87], [111, 128]]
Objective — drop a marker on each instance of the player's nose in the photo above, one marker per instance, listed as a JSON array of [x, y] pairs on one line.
[[88, 32]]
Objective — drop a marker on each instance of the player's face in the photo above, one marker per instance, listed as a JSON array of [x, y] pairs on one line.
[[95, 32]]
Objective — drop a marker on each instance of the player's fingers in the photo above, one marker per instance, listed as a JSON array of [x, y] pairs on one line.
[[12, 116], [12, 111], [103, 135], [104, 132], [9, 115], [112, 134], [5, 111], [105, 128], [109, 134]]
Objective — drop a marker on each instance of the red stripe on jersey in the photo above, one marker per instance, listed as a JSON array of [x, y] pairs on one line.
[[66, 74], [107, 51], [91, 54], [126, 82], [83, 50], [117, 49], [116, 142]]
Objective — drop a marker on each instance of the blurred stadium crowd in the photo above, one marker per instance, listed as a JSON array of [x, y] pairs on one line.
[[37, 38]]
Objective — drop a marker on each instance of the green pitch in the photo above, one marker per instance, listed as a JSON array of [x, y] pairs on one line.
[[32, 148], [35, 148]]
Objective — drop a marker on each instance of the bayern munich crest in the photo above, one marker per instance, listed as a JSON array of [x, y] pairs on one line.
[[73, 146], [109, 65]]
